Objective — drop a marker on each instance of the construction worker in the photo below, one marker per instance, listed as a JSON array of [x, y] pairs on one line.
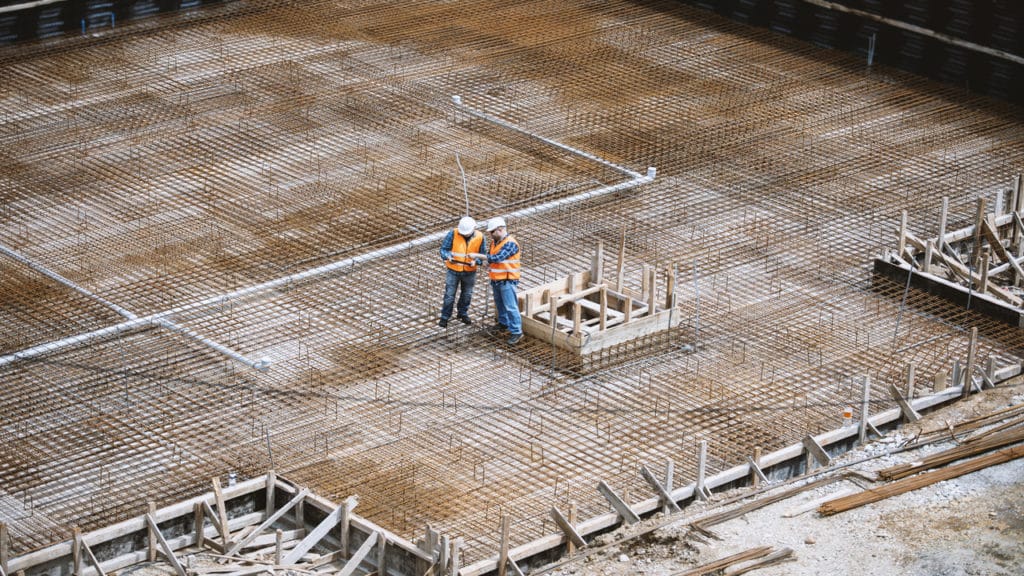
[[457, 251], [503, 270]]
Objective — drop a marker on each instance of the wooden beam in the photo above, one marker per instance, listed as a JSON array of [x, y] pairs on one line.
[[212, 517], [627, 514], [670, 472], [151, 547], [604, 308], [573, 513], [815, 449], [597, 266], [666, 498], [920, 480], [92, 557], [651, 306], [197, 524], [906, 409], [455, 560], [222, 512], [902, 246], [978, 219], [315, 536], [700, 490], [271, 491], [76, 551], [756, 471], [5, 546], [571, 535], [865, 398], [357, 558], [503, 547], [620, 270], [266, 523], [968, 379], [168, 552]]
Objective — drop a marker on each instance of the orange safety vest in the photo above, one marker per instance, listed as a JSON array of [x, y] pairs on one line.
[[508, 269], [462, 249]]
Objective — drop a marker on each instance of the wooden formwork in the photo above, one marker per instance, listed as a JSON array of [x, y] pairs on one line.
[[583, 313]]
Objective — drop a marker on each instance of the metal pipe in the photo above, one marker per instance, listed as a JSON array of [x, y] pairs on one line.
[[162, 318], [262, 364]]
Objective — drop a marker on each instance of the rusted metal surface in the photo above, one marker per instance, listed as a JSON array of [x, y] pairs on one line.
[[204, 155]]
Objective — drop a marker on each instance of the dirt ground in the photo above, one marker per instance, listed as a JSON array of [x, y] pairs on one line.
[[971, 525]]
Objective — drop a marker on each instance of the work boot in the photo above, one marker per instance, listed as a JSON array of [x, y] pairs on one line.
[[465, 320], [514, 339], [498, 328], [443, 322]]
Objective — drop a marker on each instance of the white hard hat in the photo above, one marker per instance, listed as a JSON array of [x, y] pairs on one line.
[[495, 223], [466, 225]]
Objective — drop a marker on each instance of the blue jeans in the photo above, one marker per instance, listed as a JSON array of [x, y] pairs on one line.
[[462, 281], [508, 308]]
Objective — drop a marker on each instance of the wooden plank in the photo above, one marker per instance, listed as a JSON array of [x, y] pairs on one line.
[[197, 524], [920, 481], [573, 513], [92, 558], [603, 313], [1000, 251], [5, 546], [266, 523], [670, 469], [815, 449], [503, 548], [271, 491], [700, 490], [978, 219], [571, 535], [222, 512], [908, 411], [627, 514], [652, 291], [515, 568], [215, 520], [968, 379], [456, 548], [967, 274], [76, 551], [659, 490], [150, 536], [597, 266], [756, 471], [621, 263], [168, 552], [315, 536], [864, 404]]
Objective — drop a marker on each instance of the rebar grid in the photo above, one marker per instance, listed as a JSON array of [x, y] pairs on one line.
[[206, 154]]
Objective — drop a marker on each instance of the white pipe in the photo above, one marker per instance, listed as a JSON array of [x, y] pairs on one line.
[[162, 318], [55, 276], [262, 364], [457, 100]]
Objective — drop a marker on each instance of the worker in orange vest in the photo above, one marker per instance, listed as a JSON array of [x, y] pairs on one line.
[[457, 250], [504, 270]]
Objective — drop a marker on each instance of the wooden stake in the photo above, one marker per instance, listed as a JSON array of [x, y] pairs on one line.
[[670, 472], [151, 550], [76, 551], [572, 537], [643, 281], [984, 271], [670, 288], [503, 551], [345, 524], [604, 308], [903, 234], [911, 367], [573, 512], [701, 492], [597, 266], [968, 380], [361, 553], [456, 551], [197, 524], [627, 309], [863, 436], [666, 498], [906, 409], [755, 470], [165, 546], [816, 451], [651, 307], [942, 223], [576, 313], [271, 491], [382, 550], [222, 513], [5, 546], [622, 262], [620, 506], [278, 544], [979, 218]]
